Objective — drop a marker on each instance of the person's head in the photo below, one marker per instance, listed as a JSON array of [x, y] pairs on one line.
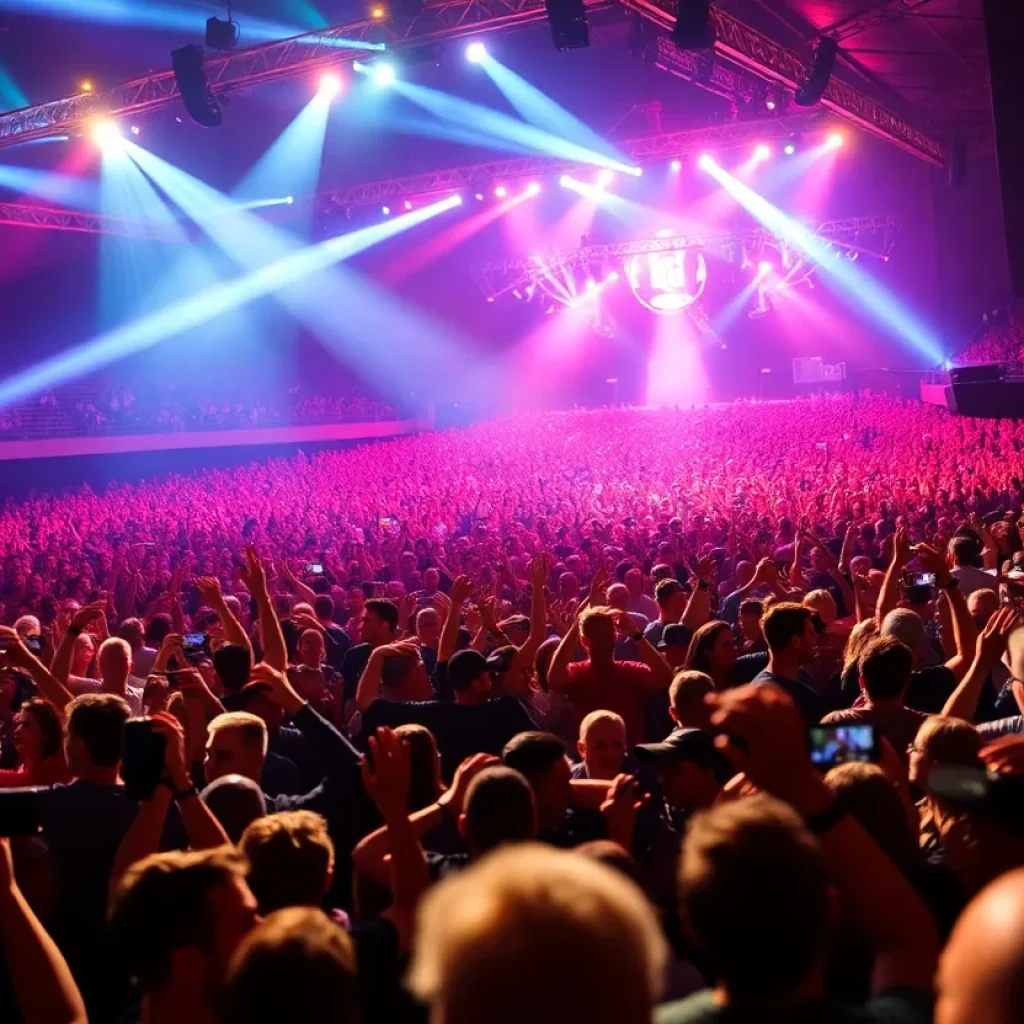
[[159, 626], [467, 672], [751, 612], [291, 860], [94, 732], [744, 573], [754, 888], [297, 965], [908, 626], [712, 650], [597, 631], [789, 632], [692, 771], [540, 758], [686, 702], [965, 550], [425, 764], [114, 661], [499, 808], [634, 581], [981, 971], [176, 920], [982, 605], [860, 636], [885, 666], [232, 663], [236, 744], [28, 625], [536, 933], [134, 631], [311, 648], [428, 627], [431, 580], [602, 744], [38, 733], [864, 790], [822, 602], [943, 742], [235, 802], [323, 608], [671, 599], [378, 621], [516, 628], [617, 597], [675, 644], [568, 586], [82, 654]]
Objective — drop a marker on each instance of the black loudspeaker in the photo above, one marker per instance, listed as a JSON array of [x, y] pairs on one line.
[[956, 168], [568, 21], [196, 94], [813, 88], [694, 29], [974, 374], [986, 400]]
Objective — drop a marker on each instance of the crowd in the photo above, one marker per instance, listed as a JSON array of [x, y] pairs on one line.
[[998, 339], [674, 717], [167, 409]]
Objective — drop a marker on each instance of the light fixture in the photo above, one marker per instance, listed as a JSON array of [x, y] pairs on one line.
[[605, 178], [378, 12], [835, 140], [384, 73], [762, 152], [813, 87], [501, 191], [789, 149], [330, 84], [533, 188], [86, 85], [704, 161], [289, 200], [769, 104], [637, 172], [408, 204], [676, 165], [764, 267], [135, 129], [386, 210], [476, 52], [105, 133], [221, 35], [479, 197]]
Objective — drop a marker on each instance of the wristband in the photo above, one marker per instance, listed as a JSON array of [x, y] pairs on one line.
[[826, 820]]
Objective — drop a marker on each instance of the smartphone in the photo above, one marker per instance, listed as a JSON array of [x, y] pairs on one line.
[[194, 642], [142, 763], [316, 568], [918, 579], [19, 811], [838, 744]]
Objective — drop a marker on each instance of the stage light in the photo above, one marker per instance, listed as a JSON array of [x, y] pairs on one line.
[[762, 152], [704, 161], [85, 85], [289, 200], [835, 140], [384, 73], [676, 165], [533, 188], [613, 276], [105, 133], [664, 233], [591, 285], [386, 210], [764, 267], [479, 197], [814, 85], [501, 191], [476, 52], [769, 104], [378, 12], [407, 204], [565, 180], [635, 171], [604, 178], [789, 149], [135, 129], [330, 84]]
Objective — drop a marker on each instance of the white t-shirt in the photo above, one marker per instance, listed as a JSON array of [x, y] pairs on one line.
[[972, 579], [132, 691]]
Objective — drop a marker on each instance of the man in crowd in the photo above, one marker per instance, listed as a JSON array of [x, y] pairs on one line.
[[792, 646], [378, 626], [670, 598]]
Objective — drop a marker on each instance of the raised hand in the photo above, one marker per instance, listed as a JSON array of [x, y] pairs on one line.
[[209, 590], [84, 616], [455, 796], [387, 773], [462, 587], [598, 586], [993, 638], [620, 809]]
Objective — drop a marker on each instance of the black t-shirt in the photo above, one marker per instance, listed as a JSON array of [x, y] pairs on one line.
[[352, 667], [929, 689], [812, 707], [461, 730]]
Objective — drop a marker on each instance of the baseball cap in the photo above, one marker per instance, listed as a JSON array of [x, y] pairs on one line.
[[675, 635], [464, 667], [500, 660], [666, 588], [681, 745]]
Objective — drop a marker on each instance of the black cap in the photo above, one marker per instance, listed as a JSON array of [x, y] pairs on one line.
[[681, 745], [464, 667], [675, 635], [500, 660]]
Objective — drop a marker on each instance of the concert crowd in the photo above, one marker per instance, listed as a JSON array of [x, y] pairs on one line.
[[631, 716]]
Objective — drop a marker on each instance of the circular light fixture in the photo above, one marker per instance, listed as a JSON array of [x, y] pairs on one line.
[[476, 52]]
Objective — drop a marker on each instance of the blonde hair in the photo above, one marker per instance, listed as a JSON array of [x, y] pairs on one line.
[[821, 600], [595, 619], [860, 636], [112, 642], [530, 927], [595, 717], [252, 727]]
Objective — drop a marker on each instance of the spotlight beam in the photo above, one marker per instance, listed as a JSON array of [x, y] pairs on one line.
[[857, 285], [222, 298]]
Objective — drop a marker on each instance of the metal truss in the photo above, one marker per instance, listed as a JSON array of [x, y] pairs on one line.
[[764, 57], [440, 21], [53, 219], [651, 147], [501, 276]]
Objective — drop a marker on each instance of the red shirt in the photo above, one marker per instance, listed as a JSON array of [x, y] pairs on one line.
[[619, 687], [48, 772]]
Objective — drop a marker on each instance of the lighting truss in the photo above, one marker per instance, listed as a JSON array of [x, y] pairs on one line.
[[649, 147], [770, 60], [497, 277], [440, 21], [51, 218]]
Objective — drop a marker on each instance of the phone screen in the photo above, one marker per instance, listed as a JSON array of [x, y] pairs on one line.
[[839, 744], [316, 568], [194, 640]]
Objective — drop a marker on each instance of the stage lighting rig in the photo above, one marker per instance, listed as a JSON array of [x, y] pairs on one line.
[[568, 21], [814, 85], [694, 29], [196, 94], [222, 35]]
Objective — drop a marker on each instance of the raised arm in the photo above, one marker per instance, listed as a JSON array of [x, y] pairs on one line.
[[661, 671], [60, 669], [965, 632], [462, 587], [294, 584], [210, 592], [21, 657], [889, 595], [963, 701], [275, 653], [368, 688], [43, 987], [538, 618], [698, 607]]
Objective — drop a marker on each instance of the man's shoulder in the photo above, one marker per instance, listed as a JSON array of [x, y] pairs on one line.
[[847, 715]]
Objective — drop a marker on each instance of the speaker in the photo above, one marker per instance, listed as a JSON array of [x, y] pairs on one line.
[[974, 374], [568, 21], [956, 168], [196, 94], [694, 29], [814, 86]]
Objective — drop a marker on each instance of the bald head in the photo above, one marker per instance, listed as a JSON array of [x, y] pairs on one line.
[[981, 973], [1015, 653]]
